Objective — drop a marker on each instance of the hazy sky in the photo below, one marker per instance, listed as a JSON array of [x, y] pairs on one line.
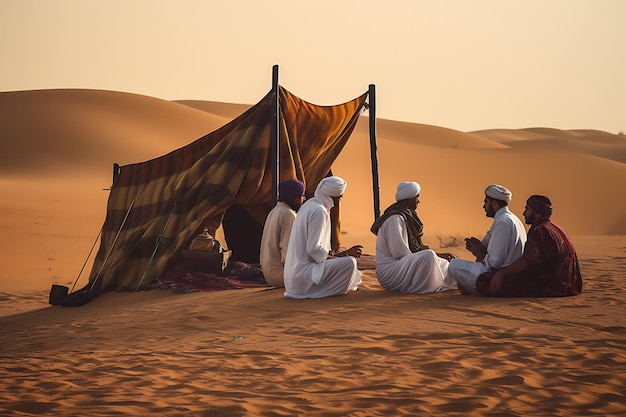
[[462, 64]]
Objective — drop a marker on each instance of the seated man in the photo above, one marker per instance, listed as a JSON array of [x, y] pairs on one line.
[[548, 267], [503, 243], [277, 229], [403, 262], [310, 270]]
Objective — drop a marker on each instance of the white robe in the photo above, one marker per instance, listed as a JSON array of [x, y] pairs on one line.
[[505, 242], [398, 269], [274, 243], [308, 273]]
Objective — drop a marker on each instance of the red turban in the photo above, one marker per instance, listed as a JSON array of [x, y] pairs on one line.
[[540, 204]]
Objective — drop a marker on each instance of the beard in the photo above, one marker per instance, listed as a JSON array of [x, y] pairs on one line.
[[293, 206]]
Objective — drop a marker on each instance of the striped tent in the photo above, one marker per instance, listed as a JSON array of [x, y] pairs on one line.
[[157, 207]]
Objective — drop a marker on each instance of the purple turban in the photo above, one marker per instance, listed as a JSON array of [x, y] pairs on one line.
[[289, 190], [540, 204]]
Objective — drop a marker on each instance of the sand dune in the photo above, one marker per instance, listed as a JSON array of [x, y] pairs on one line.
[[590, 142], [427, 135], [227, 110], [453, 180], [251, 352], [53, 132]]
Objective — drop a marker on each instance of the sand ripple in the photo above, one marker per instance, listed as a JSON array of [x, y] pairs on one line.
[[371, 353]]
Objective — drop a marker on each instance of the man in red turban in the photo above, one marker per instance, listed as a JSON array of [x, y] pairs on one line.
[[548, 266]]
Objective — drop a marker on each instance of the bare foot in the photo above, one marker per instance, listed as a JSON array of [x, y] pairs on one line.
[[462, 290]]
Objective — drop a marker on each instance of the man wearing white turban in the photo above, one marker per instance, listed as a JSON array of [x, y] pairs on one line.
[[310, 269], [403, 262], [502, 245]]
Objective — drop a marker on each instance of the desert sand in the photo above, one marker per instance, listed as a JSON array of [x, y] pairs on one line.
[[250, 351]]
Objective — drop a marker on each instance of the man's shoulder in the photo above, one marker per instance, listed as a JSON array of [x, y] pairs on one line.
[[310, 208], [286, 211], [396, 217], [313, 205], [281, 210], [546, 227], [507, 216], [391, 224]]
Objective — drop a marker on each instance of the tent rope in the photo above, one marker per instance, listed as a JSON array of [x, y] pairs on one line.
[[106, 258], [156, 246], [88, 256]]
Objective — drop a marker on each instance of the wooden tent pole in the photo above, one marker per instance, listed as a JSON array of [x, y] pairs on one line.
[[274, 148], [116, 170], [374, 150]]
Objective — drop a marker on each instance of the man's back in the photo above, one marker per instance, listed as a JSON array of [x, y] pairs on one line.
[[310, 242], [274, 243], [391, 241], [554, 260]]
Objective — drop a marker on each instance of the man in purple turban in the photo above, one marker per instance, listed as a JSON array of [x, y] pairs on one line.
[[277, 229], [548, 266]]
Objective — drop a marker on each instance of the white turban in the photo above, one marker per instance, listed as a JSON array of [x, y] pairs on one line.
[[498, 192], [329, 187], [407, 189]]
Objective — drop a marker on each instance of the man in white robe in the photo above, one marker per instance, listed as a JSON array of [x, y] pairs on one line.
[[502, 245], [276, 231], [403, 262], [310, 270]]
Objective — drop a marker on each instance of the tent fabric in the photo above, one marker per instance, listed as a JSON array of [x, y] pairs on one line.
[[157, 207]]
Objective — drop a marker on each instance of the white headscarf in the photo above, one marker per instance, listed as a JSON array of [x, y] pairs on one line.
[[407, 189], [328, 188], [498, 192]]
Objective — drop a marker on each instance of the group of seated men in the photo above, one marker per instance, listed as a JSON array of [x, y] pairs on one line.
[[296, 248]]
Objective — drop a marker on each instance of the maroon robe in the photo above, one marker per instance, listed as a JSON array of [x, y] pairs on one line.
[[553, 270]]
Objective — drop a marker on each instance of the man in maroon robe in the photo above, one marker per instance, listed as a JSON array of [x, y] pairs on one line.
[[548, 267]]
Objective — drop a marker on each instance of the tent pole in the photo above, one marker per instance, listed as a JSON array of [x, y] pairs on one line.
[[274, 148], [116, 170], [373, 150]]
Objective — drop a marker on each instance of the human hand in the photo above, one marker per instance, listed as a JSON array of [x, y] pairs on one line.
[[447, 256], [355, 251], [477, 248]]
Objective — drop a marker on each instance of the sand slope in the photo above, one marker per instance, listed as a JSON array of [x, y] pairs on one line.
[[53, 132]]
